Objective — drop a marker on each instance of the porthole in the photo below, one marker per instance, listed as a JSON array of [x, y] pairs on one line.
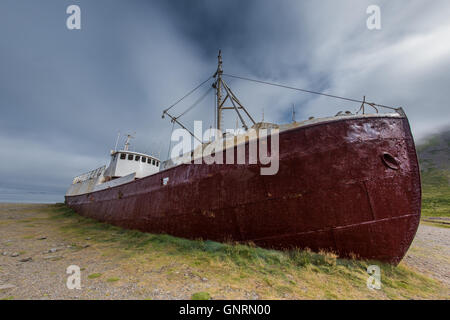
[[390, 161]]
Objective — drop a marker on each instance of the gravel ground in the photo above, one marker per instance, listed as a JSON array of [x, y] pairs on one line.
[[430, 253], [34, 255], [26, 235]]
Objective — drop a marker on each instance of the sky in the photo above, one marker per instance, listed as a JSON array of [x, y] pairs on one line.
[[65, 94]]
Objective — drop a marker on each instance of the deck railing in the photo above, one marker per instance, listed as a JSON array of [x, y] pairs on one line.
[[89, 175]]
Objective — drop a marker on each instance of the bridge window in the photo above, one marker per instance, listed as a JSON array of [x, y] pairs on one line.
[[153, 162], [137, 158], [123, 156], [130, 157], [157, 163], [144, 159], [149, 161]]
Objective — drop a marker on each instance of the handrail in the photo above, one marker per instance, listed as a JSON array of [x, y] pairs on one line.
[[89, 175]]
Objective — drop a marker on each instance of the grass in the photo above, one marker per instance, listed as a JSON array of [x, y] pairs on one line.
[[433, 156], [201, 296], [112, 279], [435, 193], [436, 201], [234, 271]]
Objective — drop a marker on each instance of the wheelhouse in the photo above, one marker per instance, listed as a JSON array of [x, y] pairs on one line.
[[125, 162]]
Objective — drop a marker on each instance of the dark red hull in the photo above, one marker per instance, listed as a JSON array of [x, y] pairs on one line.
[[333, 191]]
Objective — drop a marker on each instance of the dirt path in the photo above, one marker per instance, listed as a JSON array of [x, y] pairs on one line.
[[430, 253], [35, 253]]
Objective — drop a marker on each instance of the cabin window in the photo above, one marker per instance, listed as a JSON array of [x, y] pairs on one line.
[[149, 161], [144, 159], [130, 157], [137, 158], [157, 163], [153, 162], [123, 156]]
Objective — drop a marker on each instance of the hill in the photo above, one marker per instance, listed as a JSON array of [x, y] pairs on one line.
[[434, 160]]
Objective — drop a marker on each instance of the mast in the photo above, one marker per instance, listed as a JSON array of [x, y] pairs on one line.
[[293, 113], [127, 142], [219, 73], [220, 84]]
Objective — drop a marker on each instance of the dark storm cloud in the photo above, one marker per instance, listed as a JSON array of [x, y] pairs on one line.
[[325, 45], [65, 94]]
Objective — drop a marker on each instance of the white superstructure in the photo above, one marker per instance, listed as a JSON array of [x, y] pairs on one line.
[[125, 166], [124, 162]]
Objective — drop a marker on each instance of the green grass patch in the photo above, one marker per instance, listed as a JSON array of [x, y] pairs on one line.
[[294, 273], [113, 279], [201, 296], [436, 201], [435, 175]]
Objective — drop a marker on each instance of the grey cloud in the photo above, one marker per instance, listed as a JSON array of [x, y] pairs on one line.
[[65, 94]]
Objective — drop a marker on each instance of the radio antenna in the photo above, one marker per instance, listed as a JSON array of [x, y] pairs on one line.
[[117, 141]]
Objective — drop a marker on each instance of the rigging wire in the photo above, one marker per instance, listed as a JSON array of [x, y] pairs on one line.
[[307, 91], [188, 94], [192, 106], [215, 111]]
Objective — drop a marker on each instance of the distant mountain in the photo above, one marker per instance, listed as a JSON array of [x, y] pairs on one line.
[[434, 159]]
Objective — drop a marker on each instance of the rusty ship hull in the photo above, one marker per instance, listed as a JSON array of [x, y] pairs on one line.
[[348, 185]]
